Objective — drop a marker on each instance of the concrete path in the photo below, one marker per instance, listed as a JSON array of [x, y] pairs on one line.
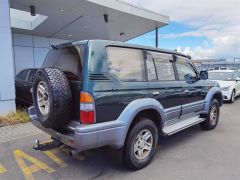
[[9, 133]]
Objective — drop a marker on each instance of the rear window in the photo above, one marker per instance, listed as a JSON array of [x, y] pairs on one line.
[[68, 59], [126, 64]]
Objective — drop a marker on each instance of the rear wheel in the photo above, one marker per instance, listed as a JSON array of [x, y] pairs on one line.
[[213, 116], [141, 144]]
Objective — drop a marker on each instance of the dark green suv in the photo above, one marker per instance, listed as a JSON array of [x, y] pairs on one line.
[[97, 93]]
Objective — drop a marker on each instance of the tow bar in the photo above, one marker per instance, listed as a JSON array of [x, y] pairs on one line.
[[46, 146]]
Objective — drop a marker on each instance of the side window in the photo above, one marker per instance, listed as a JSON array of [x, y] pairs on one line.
[[164, 69], [151, 71], [126, 64], [235, 75], [184, 69], [160, 67], [22, 75]]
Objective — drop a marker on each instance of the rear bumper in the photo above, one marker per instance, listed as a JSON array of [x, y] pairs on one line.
[[83, 137]]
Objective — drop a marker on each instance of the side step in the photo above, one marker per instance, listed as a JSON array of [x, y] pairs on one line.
[[169, 130], [46, 146]]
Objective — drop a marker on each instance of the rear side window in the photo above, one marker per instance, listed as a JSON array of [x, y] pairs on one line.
[[126, 64], [163, 67]]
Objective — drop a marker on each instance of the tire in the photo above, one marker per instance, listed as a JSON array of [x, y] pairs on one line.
[[211, 123], [52, 97], [232, 100], [143, 127]]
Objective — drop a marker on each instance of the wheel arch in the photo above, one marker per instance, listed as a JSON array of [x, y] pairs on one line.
[[218, 96], [214, 92], [151, 114], [147, 107]]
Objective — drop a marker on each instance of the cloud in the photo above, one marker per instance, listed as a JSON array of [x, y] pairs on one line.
[[223, 47], [217, 20]]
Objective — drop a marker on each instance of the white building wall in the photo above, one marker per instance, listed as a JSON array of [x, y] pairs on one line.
[[18, 52], [7, 87], [30, 51]]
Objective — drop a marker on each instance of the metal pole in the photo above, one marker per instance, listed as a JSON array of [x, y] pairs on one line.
[[156, 37]]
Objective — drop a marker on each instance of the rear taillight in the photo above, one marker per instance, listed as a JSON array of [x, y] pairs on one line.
[[87, 108]]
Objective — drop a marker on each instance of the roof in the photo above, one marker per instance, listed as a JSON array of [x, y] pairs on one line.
[[228, 71], [84, 19], [121, 44]]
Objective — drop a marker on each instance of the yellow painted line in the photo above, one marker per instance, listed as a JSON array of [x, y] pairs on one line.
[[67, 150], [56, 159], [55, 151], [2, 169], [33, 168], [46, 142], [80, 157], [29, 170]]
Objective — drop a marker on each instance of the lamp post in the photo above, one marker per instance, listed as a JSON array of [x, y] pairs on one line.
[[156, 37]]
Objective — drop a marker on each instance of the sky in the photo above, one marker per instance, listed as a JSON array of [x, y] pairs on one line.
[[202, 29]]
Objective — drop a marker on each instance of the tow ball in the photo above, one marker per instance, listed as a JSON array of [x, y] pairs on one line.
[[46, 146]]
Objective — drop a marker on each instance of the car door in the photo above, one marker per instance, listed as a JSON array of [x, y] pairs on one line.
[[235, 77], [163, 85], [195, 89]]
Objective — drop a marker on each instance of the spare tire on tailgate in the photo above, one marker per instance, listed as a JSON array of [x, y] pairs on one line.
[[52, 97]]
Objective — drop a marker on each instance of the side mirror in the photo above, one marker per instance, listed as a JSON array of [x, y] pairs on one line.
[[203, 75]]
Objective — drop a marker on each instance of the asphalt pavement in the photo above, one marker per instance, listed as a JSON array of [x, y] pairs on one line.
[[192, 154]]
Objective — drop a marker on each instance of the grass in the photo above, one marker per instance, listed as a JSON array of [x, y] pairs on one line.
[[12, 118]]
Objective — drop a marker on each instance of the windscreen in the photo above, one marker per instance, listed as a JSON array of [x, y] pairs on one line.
[[224, 76]]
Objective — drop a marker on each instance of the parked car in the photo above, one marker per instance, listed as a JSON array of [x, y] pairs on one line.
[[221, 68], [97, 93], [210, 69], [23, 85], [229, 81]]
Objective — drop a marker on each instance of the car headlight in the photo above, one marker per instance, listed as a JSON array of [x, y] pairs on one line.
[[225, 88]]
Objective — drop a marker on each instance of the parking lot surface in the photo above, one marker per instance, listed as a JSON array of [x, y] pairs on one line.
[[190, 154]]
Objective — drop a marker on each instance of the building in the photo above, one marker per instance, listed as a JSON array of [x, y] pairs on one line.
[[29, 28], [217, 63]]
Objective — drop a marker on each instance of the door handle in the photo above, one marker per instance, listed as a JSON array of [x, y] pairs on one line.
[[156, 93], [186, 91]]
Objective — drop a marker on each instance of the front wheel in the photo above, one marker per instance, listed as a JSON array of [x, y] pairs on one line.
[[141, 144], [213, 116], [232, 97]]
